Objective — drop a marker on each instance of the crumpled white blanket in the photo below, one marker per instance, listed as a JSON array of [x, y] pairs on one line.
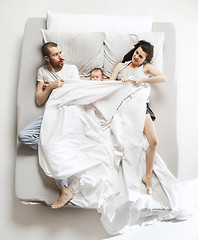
[[92, 133]]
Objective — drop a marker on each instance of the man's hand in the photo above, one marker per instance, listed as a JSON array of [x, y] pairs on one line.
[[57, 83], [46, 83], [43, 90]]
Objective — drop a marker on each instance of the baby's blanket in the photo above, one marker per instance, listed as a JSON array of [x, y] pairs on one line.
[[92, 133]]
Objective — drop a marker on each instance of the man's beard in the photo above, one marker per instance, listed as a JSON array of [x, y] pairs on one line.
[[57, 65]]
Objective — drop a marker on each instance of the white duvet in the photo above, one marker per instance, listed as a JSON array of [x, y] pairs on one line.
[[92, 133]]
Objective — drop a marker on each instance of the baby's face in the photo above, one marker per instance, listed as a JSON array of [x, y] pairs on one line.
[[96, 75]]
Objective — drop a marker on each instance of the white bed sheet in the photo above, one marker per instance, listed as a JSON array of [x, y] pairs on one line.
[[92, 133]]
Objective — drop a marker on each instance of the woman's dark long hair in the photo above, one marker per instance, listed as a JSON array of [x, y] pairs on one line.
[[146, 47]]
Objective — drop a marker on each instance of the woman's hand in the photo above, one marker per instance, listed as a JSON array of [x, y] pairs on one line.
[[126, 79], [138, 81]]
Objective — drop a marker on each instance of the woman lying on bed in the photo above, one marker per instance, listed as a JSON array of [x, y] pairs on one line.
[[137, 68]]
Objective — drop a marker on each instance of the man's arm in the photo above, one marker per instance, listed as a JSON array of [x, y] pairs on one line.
[[42, 94]]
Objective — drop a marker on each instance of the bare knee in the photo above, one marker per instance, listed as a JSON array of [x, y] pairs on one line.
[[153, 142]]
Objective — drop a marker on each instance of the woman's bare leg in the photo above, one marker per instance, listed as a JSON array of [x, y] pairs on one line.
[[150, 133]]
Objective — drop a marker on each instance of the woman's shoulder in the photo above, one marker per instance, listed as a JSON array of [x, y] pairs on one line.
[[119, 64], [122, 65], [116, 71], [147, 67]]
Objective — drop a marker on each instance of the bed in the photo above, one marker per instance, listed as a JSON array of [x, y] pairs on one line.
[[32, 186]]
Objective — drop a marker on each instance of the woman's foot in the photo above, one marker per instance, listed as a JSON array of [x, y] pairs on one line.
[[65, 197], [148, 183]]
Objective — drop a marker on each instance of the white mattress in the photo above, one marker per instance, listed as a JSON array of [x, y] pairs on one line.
[[31, 184]]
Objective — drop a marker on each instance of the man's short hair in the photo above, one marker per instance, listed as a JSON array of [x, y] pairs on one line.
[[46, 46]]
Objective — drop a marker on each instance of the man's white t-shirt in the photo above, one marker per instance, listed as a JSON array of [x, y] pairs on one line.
[[68, 72]]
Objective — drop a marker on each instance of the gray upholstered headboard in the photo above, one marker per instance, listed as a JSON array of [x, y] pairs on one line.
[[163, 102]]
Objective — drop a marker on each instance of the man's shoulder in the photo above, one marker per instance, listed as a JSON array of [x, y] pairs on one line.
[[44, 68]]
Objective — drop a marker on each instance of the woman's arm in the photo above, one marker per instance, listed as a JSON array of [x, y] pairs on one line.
[[115, 72], [157, 76]]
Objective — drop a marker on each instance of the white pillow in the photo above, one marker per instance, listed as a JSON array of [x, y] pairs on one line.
[[127, 24], [118, 45], [76, 23], [85, 50]]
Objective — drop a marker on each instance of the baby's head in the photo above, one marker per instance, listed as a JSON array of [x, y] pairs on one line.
[[96, 74]]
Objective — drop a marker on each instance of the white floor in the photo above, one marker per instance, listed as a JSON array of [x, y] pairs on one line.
[[185, 230]]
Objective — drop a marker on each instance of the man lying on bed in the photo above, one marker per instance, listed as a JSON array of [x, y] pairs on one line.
[[49, 77]]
